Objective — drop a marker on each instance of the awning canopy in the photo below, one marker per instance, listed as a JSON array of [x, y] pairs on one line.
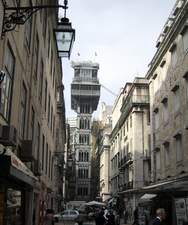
[[178, 185], [148, 196], [13, 167], [95, 203]]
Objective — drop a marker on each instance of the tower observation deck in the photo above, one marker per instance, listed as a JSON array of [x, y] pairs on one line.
[[85, 94]]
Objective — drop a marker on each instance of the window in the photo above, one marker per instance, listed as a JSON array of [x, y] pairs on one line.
[[86, 73], [32, 124], [53, 79], [52, 60], [84, 139], [176, 98], [49, 164], [6, 86], [156, 118], [51, 118], [82, 191], [85, 108], [44, 22], [83, 173], [131, 121], [36, 56], [38, 141], [167, 153], [53, 130], [165, 109], [41, 82], [185, 38], [28, 29], [158, 159], [178, 146], [94, 73], [49, 109], [45, 97], [174, 57], [46, 158], [84, 123], [148, 116], [43, 148], [186, 82], [23, 110]]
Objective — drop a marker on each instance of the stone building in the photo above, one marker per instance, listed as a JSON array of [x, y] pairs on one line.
[[104, 151], [168, 85], [29, 116], [101, 130], [130, 146], [85, 94]]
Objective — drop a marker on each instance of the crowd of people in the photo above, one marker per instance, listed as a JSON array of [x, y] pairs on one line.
[[104, 216]]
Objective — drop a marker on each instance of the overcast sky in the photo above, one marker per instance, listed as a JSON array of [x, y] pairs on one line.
[[123, 33]]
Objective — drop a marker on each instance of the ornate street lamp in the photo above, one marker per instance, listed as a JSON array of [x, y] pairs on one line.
[[65, 35]]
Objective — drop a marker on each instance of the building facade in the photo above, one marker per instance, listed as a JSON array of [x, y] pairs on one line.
[[85, 93], [104, 151], [168, 84], [130, 141], [28, 118]]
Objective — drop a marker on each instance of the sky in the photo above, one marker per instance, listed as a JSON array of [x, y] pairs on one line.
[[118, 34]]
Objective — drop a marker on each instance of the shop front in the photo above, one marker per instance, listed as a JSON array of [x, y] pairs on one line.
[[171, 195], [17, 185]]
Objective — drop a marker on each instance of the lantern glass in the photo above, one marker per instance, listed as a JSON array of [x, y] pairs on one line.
[[65, 36], [64, 42]]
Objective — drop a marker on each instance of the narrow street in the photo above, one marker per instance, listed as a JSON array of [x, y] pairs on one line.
[[73, 223]]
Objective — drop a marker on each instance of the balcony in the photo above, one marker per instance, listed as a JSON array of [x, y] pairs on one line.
[[126, 186], [132, 101], [125, 161], [129, 158], [122, 161], [77, 92], [147, 155], [86, 79]]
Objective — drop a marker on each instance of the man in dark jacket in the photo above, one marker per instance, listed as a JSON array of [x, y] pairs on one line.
[[160, 217]]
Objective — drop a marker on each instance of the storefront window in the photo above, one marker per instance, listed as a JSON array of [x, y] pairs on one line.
[[14, 207]]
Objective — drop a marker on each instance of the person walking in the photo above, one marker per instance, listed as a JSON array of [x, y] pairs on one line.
[[135, 216], [160, 217], [49, 217], [99, 218], [110, 218]]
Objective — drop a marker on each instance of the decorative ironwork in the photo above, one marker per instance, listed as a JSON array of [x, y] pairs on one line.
[[14, 16]]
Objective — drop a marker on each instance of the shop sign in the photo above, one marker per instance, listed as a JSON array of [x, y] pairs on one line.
[[1, 17], [2, 206], [18, 164], [181, 213]]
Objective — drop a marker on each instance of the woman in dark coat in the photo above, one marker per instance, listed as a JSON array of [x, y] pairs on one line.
[[99, 218]]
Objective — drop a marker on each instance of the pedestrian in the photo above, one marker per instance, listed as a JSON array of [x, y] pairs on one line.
[[110, 218], [49, 217], [125, 214], [99, 218], [160, 217], [135, 216]]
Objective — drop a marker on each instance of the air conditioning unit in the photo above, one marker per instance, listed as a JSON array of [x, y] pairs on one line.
[[37, 170], [8, 135], [27, 151]]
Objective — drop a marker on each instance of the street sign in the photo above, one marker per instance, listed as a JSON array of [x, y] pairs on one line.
[[2, 16]]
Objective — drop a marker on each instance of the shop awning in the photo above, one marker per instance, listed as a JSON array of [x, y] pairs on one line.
[[148, 196], [128, 191], [179, 184], [11, 166]]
